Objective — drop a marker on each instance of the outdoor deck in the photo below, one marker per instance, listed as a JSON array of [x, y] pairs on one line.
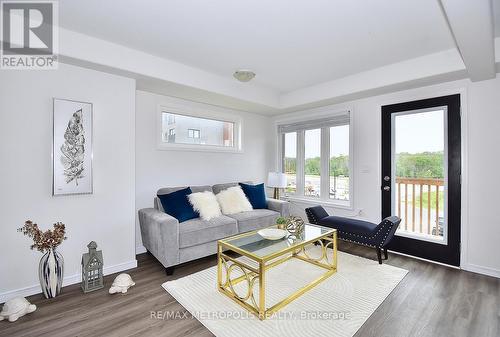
[[420, 205]]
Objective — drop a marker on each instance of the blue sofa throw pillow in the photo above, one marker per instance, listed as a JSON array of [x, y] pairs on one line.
[[255, 194], [177, 205]]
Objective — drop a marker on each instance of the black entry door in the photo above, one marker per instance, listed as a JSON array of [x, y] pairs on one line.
[[421, 173]]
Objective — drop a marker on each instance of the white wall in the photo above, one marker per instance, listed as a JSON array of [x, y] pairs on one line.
[[161, 168], [483, 232], [107, 216], [480, 123]]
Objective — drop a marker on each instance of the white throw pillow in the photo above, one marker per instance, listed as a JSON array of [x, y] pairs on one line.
[[233, 200], [206, 204]]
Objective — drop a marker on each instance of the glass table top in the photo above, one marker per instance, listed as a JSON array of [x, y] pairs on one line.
[[255, 244]]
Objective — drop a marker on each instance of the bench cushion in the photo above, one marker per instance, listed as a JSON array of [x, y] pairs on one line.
[[349, 225], [197, 231], [256, 219]]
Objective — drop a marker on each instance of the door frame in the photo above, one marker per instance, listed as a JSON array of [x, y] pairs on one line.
[[451, 252]]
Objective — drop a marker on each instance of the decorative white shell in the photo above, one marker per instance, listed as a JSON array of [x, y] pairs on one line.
[[123, 280], [121, 284], [15, 308]]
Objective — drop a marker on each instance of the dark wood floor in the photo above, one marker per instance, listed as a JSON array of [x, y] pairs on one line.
[[431, 301]]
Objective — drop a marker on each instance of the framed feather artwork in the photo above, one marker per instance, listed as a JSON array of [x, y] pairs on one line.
[[72, 147]]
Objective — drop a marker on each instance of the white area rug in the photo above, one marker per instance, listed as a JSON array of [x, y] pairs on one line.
[[336, 307]]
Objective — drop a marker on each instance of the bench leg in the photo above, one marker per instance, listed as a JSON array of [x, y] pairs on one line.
[[385, 254], [169, 271], [379, 255]]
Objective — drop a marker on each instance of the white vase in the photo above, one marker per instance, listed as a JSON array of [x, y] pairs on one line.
[[51, 272]]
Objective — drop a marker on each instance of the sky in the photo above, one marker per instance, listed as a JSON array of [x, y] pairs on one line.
[[414, 133], [420, 132]]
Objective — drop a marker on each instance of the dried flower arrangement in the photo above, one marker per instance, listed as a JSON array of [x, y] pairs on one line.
[[44, 241]]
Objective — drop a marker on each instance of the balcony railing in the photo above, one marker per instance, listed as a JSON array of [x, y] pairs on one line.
[[420, 205]]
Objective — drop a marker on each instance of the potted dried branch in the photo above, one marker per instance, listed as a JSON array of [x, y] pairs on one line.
[[51, 267]]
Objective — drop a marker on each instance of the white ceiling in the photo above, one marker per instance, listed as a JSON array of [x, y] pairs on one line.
[[290, 44]]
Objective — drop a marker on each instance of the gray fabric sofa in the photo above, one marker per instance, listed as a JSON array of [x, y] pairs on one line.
[[173, 243]]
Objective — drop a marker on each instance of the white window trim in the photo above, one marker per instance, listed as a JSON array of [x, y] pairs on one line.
[[325, 151], [339, 204], [208, 113]]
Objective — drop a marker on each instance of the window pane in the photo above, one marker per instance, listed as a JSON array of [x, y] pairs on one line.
[[192, 133], [339, 162], [171, 136], [312, 164], [181, 129], [419, 194], [290, 162]]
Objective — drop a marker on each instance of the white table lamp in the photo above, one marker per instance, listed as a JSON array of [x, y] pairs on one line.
[[276, 180]]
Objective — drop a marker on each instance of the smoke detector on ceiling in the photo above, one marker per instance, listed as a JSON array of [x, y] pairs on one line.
[[244, 75]]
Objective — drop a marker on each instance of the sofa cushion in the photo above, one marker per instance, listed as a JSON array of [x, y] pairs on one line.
[[198, 231], [217, 188], [167, 190], [177, 205], [194, 189], [349, 225], [256, 194], [256, 219]]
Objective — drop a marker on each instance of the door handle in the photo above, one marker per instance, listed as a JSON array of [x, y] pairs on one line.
[[387, 188]]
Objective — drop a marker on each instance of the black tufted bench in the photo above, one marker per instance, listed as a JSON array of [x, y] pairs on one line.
[[358, 231]]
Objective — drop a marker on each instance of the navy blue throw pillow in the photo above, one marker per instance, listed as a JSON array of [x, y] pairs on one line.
[[255, 194], [177, 205]]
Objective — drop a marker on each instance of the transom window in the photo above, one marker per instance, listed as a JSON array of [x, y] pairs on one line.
[[315, 156], [186, 131]]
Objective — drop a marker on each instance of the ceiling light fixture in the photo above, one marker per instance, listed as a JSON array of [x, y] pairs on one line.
[[244, 75]]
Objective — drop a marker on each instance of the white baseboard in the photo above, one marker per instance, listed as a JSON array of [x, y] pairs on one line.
[[481, 270], [466, 266], [422, 259], [68, 280], [140, 249]]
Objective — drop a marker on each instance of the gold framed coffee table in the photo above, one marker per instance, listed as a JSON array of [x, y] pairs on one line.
[[259, 255]]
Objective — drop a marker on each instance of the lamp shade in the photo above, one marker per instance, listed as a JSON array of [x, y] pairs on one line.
[[276, 179]]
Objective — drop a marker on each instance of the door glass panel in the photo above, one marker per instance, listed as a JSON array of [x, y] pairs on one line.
[[419, 166]]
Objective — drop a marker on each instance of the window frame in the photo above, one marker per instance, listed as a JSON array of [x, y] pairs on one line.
[[199, 112], [193, 132], [324, 198]]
